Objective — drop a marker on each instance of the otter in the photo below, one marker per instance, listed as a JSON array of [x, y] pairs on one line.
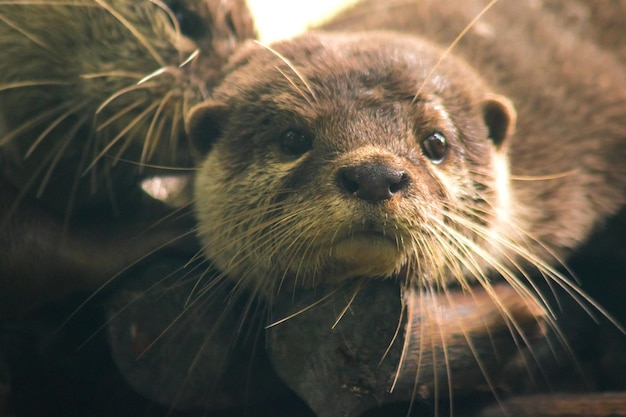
[[92, 98], [347, 155], [88, 107], [358, 146]]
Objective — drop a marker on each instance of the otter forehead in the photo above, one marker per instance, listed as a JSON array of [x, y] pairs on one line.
[[364, 67], [343, 91]]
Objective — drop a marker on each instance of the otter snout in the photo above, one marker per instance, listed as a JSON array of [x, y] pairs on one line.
[[372, 181]]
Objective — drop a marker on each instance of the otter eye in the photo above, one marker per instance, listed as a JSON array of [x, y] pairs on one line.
[[435, 147], [295, 142], [191, 24]]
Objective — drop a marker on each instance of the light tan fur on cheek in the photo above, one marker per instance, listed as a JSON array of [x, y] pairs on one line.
[[237, 229], [502, 185]]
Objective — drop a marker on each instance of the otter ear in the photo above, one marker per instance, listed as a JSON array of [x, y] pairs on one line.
[[500, 117], [204, 125]]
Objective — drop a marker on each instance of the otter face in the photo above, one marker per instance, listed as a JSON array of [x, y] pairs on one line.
[[323, 162]]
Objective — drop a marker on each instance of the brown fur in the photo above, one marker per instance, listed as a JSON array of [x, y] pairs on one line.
[[602, 22], [353, 95], [557, 106]]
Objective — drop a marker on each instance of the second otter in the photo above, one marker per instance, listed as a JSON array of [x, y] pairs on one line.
[[92, 97]]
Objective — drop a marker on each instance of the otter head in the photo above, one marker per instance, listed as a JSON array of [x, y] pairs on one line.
[[336, 156]]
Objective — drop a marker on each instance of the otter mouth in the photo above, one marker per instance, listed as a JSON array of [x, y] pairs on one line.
[[371, 231], [374, 235], [367, 252], [369, 238]]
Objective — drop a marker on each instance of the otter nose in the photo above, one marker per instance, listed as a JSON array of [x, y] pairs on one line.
[[372, 181]]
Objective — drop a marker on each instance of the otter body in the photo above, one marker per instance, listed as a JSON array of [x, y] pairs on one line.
[[371, 154]]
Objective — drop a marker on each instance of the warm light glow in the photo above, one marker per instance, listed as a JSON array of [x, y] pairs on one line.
[[281, 19]]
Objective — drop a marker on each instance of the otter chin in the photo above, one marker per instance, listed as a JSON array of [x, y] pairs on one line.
[[367, 254]]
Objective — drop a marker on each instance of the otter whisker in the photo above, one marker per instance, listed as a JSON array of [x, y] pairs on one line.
[[435, 362], [120, 135], [295, 244], [208, 289], [113, 316], [451, 259], [170, 14], [546, 177], [174, 126], [26, 34], [30, 123], [109, 281], [62, 146], [130, 137], [151, 141], [534, 259], [23, 192], [251, 231], [498, 266], [238, 219], [176, 25], [294, 85], [202, 291], [342, 313], [176, 214], [480, 276], [112, 74], [119, 114], [283, 229], [583, 299], [163, 70], [76, 180], [451, 46], [261, 222], [396, 333], [516, 248], [537, 297], [479, 361], [446, 360], [303, 310], [121, 92], [136, 33], [174, 322], [32, 83], [406, 354], [53, 125], [405, 345], [295, 71], [523, 252], [189, 59]]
